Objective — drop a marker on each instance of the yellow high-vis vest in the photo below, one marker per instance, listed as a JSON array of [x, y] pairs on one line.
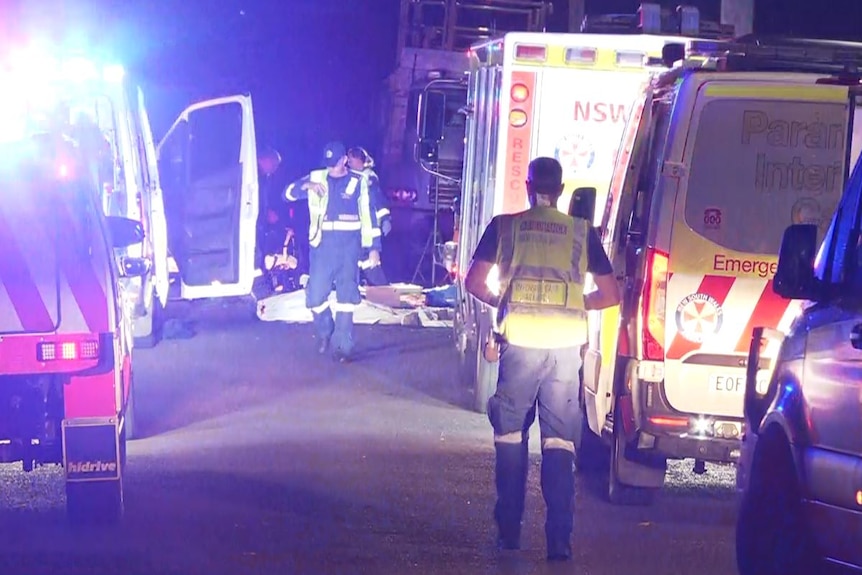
[[317, 206], [542, 256]]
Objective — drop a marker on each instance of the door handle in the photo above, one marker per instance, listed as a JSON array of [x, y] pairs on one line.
[[856, 336]]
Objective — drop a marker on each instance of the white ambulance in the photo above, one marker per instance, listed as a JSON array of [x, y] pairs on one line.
[[730, 147], [566, 96], [196, 194]]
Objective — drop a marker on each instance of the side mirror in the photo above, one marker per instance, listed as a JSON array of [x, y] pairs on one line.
[[432, 116], [125, 232], [134, 267], [583, 204], [794, 276]]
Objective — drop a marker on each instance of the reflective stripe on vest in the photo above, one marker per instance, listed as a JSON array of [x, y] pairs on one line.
[[542, 254], [317, 208]]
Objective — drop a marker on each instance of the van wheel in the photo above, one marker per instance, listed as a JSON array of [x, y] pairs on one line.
[[772, 537], [96, 502], [618, 492], [151, 325]]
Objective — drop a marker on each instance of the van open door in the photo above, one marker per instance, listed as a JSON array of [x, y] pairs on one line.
[[154, 207], [208, 169]]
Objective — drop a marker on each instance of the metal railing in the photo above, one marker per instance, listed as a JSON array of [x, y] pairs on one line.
[[456, 24]]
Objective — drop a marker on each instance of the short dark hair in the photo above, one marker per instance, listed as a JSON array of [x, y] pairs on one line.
[[545, 176]]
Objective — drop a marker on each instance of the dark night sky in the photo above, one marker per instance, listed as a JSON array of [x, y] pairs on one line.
[[313, 67]]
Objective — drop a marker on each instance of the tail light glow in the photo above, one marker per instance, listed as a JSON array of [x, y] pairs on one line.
[[654, 300], [402, 195], [67, 350], [517, 118], [520, 93], [669, 421]]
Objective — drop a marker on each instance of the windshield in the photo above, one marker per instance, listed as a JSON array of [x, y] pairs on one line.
[[759, 166]]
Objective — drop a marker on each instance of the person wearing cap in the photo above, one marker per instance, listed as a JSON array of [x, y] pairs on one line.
[[342, 225], [361, 161], [542, 257]]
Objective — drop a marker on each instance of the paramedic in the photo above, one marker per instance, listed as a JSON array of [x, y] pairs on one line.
[[342, 225], [359, 160], [542, 256]]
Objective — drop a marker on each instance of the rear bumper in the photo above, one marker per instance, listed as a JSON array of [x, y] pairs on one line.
[[673, 434], [704, 448]]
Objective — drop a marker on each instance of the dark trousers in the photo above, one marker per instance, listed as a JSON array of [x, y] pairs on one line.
[[531, 380], [334, 261]]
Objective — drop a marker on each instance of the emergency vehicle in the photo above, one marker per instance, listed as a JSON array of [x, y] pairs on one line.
[[421, 178], [66, 378], [79, 378], [195, 193], [562, 95], [736, 142]]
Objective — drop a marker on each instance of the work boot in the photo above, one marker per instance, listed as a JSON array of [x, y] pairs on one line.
[[511, 479], [323, 327], [558, 489], [342, 337]]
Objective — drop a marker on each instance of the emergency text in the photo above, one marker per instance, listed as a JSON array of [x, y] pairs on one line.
[[761, 268]]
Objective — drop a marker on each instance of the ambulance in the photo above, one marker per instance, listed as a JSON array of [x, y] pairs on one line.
[[734, 144], [81, 285], [195, 192], [566, 96], [66, 378]]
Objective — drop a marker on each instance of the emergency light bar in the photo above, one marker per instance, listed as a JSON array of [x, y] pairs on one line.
[[36, 67], [751, 53], [651, 18]]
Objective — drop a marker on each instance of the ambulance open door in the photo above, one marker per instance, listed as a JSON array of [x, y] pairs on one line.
[[155, 209], [208, 169]]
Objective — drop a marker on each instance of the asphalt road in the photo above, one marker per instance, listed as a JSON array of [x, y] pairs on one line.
[[261, 458]]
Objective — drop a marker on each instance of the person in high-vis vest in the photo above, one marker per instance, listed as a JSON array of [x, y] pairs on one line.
[[342, 226], [360, 160], [540, 258]]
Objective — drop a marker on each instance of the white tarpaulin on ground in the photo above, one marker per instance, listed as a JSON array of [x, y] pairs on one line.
[[290, 308]]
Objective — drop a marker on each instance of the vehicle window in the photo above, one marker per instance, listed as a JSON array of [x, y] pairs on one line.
[[841, 238], [215, 140], [651, 167], [759, 166]]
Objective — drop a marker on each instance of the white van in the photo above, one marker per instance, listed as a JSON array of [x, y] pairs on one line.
[[728, 148]]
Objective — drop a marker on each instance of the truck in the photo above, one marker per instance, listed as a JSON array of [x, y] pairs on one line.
[[566, 96], [421, 178]]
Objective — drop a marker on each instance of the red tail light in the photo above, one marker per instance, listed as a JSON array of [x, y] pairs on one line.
[[67, 350], [654, 301]]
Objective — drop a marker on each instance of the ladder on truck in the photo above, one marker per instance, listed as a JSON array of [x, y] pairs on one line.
[[456, 24]]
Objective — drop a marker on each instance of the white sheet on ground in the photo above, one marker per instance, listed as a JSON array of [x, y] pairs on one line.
[[290, 308]]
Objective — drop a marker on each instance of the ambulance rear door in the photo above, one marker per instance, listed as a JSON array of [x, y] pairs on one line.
[[758, 157], [157, 227], [208, 174]]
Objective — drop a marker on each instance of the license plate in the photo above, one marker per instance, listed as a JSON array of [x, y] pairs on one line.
[[726, 383]]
